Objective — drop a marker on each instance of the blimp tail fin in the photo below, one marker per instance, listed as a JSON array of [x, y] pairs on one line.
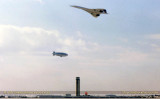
[[54, 53]]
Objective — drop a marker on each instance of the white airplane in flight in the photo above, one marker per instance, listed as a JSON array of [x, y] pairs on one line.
[[59, 54], [93, 12]]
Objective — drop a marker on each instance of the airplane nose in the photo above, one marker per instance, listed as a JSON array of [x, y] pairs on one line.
[[105, 11]]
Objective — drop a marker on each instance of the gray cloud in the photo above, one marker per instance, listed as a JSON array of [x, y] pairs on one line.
[[154, 36], [26, 62]]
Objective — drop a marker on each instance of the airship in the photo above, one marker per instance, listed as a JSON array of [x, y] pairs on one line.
[[59, 54], [94, 12]]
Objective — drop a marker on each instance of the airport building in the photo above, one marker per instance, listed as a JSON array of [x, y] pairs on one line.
[[77, 86]]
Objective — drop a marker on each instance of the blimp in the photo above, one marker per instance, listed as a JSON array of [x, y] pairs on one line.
[[61, 54]]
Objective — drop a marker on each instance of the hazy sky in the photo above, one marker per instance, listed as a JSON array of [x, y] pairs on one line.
[[114, 52]]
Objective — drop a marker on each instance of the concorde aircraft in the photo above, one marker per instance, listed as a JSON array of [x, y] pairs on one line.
[[59, 54], [93, 12]]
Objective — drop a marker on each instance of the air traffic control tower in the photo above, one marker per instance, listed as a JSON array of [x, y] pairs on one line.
[[77, 86]]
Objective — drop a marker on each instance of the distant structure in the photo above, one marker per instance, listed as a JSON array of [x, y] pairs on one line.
[[77, 86], [86, 93]]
